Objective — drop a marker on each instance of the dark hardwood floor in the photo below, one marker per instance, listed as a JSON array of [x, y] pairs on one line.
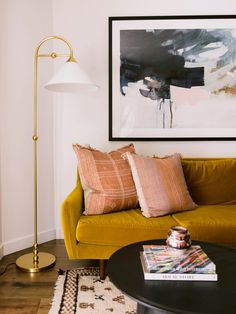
[[26, 293]]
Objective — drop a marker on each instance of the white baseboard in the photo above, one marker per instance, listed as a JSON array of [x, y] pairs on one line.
[[1, 251], [27, 241], [59, 234]]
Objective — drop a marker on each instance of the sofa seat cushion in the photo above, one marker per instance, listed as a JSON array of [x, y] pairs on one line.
[[210, 223], [122, 228]]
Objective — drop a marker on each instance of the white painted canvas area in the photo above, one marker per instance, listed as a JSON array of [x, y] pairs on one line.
[[192, 108], [168, 24]]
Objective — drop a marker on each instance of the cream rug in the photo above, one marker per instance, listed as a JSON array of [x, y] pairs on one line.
[[81, 291]]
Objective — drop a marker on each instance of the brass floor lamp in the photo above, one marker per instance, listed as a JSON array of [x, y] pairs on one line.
[[69, 78]]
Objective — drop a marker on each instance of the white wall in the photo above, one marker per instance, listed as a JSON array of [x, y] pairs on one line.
[[1, 242], [1, 77], [23, 24], [84, 118]]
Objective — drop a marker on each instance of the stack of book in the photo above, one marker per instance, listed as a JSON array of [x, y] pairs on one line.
[[160, 263]]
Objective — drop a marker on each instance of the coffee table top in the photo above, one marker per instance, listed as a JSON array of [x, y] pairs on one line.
[[180, 297]]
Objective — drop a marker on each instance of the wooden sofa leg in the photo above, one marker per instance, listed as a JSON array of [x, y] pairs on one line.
[[102, 266]]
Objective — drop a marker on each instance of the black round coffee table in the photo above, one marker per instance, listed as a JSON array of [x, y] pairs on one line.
[[180, 297]]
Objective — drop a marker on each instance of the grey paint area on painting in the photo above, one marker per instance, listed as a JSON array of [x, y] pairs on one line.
[[162, 55]]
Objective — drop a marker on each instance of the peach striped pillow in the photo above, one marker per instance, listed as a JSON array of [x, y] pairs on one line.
[[106, 179], [160, 184]]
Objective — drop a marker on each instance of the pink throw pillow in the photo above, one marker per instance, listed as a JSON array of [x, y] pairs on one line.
[[160, 184], [106, 179]]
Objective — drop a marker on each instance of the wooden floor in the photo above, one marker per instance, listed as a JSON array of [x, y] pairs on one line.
[[27, 293]]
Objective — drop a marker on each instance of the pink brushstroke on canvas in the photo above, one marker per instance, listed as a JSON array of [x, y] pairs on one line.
[[188, 96]]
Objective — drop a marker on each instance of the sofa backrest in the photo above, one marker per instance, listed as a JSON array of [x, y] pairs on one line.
[[211, 180]]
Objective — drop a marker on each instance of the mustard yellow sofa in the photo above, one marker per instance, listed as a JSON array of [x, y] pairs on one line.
[[212, 185]]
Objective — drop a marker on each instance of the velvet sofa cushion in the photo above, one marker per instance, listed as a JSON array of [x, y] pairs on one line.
[[211, 181], [211, 223], [121, 228], [160, 184], [106, 180]]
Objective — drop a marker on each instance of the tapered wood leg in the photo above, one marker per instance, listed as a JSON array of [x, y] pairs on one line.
[[102, 266]]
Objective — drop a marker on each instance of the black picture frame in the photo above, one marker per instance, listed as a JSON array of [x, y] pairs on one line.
[[134, 60]]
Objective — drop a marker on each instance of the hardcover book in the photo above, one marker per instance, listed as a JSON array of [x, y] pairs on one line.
[[160, 262]]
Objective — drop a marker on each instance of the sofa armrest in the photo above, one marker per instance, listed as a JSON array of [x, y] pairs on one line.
[[72, 209]]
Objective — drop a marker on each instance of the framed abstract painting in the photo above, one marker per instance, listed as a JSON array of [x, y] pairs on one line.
[[172, 78]]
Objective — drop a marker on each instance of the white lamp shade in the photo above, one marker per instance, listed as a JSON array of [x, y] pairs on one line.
[[70, 78]]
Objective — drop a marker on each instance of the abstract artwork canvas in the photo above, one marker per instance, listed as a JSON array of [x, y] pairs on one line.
[[172, 78]]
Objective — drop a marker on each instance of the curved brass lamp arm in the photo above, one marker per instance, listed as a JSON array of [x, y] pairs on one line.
[[53, 55], [38, 261]]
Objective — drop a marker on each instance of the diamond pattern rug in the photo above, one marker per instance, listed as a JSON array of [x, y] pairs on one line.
[[81, 291]]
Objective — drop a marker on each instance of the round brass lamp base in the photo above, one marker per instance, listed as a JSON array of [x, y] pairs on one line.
[[25, 262]]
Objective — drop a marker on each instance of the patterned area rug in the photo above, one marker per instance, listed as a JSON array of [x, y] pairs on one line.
[[81, 291]]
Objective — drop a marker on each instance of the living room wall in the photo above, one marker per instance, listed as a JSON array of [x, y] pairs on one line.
[[79, 118], [84, 118], [22, 25]]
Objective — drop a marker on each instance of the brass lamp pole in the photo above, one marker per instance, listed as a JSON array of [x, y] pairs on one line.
[[38, 261]]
